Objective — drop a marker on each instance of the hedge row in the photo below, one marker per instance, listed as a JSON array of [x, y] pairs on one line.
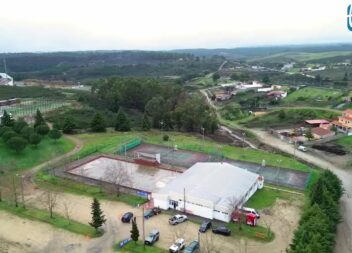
[[317, 227]]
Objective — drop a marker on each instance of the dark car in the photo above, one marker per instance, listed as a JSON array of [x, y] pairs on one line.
[[205, 226], [222, 231], [126, 218], [156, 210], [192, 247], [149, 213]]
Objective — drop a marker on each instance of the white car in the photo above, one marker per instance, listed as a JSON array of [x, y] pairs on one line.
[[177, 246], [302, 148], [178, 218]]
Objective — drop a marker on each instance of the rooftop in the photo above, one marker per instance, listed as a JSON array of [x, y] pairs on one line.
[[214, 184], [317, 121]]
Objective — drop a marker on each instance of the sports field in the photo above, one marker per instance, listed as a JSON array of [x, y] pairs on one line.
[[184, 158]]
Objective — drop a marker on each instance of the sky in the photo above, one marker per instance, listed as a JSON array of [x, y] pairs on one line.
[[70, 25]]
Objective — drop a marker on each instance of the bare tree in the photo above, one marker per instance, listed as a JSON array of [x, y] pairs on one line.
[[67, 210], [50, 200], [14, 190], [209, 244], [118, 176]]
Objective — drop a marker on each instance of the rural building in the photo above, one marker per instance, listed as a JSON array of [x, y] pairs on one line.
[[321, 133], [5, 79], [316, 122], [277, 94], [344, 122], [209, 190]]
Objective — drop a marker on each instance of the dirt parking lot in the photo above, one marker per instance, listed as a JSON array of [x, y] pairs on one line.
[[38, 237]]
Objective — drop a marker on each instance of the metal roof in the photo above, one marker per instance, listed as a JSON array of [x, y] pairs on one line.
[[215, 185]]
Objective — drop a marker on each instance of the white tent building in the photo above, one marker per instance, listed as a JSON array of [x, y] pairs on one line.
[[5, 79], [209, 190]]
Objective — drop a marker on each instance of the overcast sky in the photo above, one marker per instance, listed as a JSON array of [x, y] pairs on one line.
[[65, 25]]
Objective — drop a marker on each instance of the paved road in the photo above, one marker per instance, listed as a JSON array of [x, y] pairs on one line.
[[344, 232]]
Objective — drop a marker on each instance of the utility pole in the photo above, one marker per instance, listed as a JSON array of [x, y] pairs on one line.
[[143, 228], [14, 190], [203, 130], [184, 200], [22, 192]]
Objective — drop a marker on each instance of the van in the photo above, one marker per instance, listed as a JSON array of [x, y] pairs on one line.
[[302, 148], [248, 210]]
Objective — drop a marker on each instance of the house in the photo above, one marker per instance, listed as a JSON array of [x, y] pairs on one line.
[[322, 133], [277, 94], [344, 123], [209, 190], [5, 79], [316, 122]]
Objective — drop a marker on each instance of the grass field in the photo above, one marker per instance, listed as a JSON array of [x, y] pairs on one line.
[[312, 96], [43, 216], [291, 117], [131, 247], [345, 141], [31, 156], [109, 142], [266, 198], [44, 180]]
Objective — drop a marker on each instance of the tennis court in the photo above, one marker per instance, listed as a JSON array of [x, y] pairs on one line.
[[185, 159]]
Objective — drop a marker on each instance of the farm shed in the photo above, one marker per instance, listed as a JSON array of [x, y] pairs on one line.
[[209, 190]]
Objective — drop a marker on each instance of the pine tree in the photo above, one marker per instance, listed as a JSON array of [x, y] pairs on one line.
[[98, 123], [7, 120], [145, 123], [68, 126], [122, 123], [98, 218], [134, 231], [39, 120]]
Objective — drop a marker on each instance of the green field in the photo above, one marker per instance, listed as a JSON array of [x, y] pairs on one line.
[[31, 156], [345, 141], [267, 197], [312, 96], [109, 142], [43, 216], [291, 117], [301, 56]]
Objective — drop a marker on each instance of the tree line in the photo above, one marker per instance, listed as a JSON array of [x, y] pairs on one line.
[[159, 105], [317, 227]]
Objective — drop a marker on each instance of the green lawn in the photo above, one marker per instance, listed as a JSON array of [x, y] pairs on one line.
[[291, 117], [45, 180], [267, 197], [131, 247], [43, 216], [345, 141], [313, 96], [30, 156], [109, 142]]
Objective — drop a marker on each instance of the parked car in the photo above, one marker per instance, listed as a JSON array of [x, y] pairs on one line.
[[221, 230], [149, 213], [192, 247], [302, 148], [152, 237], [247, 210], [156, 210], [177, 246], [178, 218], [205, 226], [126, 218]]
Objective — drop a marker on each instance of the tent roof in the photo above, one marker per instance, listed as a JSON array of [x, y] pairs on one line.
[[218, 183]]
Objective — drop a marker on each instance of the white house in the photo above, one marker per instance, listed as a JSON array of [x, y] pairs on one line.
[[5, 79], [209, 190]]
